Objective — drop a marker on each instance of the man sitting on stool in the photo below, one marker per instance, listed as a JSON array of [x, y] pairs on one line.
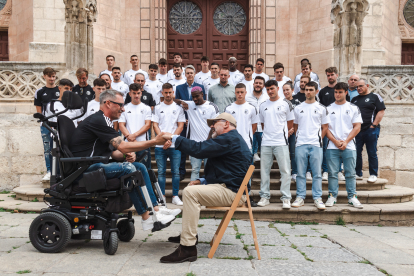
[[229, 158]]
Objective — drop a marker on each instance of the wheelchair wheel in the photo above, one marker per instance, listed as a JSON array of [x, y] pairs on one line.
[[126, 230], [111, 243], [50, 232]]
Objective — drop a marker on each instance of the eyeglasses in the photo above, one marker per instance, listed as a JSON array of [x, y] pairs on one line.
[[360, 86], [121, 105]]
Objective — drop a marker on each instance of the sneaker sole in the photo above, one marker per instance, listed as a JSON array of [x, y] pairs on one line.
[[286, 207], [371, 181], [189, 259], [320, 208], [362, 207], [297, 206]]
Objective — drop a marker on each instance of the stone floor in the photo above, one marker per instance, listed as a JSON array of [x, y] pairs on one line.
[[285, 250]]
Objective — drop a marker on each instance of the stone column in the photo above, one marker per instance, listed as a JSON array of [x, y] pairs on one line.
[[347, 16]]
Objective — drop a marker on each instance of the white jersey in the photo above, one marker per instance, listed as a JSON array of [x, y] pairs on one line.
[[106, 71], [313, 76], [162, 78], [121, 87], [263, 75], [297, 86], [256, 102], [197, 119], [175, 83], [275, 115], [58, 107], [280, 85], [129, 76], [134, 118], [310, 118], [93, 107], [245, 115], [172, 76], [155, 88], [200, 77], [209, 82], [167, 117], [342, 119], [235, 77], [249, 86]]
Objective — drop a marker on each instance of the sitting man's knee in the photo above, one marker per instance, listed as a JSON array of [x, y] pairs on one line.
[[128, 167]]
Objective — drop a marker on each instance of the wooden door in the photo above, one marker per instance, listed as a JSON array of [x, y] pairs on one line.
[[4, 46], [215, 28]]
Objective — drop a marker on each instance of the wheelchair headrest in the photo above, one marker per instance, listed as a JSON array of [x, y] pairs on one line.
[[72, 100]]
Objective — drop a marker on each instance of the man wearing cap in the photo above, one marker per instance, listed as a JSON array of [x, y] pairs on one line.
[[229, 158]]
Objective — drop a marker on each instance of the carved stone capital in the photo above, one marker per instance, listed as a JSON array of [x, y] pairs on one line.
[[80, 10]]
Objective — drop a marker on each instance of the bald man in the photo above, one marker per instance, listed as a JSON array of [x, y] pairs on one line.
[[352, 87]]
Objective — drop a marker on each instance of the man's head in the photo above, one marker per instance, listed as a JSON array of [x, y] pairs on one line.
[[177, 70], [352, 82], [134, 61], [304, 62], [205, 62], [162, 65], [178, 58], [49, 74], [197, 95], [82, 76], [222, 124], [65, 85], [214, 69], [167, 92], [107, 79], [110, 61], [140, 79], [341, 90], [135, 92], [99, 85], [272, 88], [288, 89], [240, 92], [153, 71], [259, 65], [112, 103], [232, 64], [303, 81], [224, 76], [311, 89], [258, 84], [279, 70], [116, 73], [248, 71], [362, 87], [306, 68], [332, 75], [190, 73]]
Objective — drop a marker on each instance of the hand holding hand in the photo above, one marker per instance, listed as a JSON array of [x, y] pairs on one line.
[[338, 143], [130, 157], [167, 145], [343, 146], [159, 139], [167, 135], [131, 138], [290, 132]]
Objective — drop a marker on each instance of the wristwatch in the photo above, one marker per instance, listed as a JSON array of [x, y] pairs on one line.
[[375, 126], [171, 137]]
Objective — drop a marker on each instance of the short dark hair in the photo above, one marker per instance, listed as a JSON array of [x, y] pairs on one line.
[[205, 58], [306, 64], [99, 82], [304, 60], [153, 66], [167, 86], [177, 65], [248, 66], [312, 84], [110, 56], [133, 56], [215, 63], [162, 61], [177, 54], [341, 86], [271, 83], [278, 66], [104, 74], [241, 85], [260, 59], [290, 83], [49, 71], [331, 70], [66, 82], [81, 71], [116, 68], [135, 87], [306, 76], [260, 78]]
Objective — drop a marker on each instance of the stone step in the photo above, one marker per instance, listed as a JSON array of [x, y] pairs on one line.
[[188, 164], [274, 173]]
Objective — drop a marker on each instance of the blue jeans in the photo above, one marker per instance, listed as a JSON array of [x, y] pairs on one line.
[[47, 146], [161, 156], [183, 157], [334, 157], [304, 155], [257, 141], [368, 137], [195, 167], [116, 170], [324, 164], [147, 158], [292, 146]]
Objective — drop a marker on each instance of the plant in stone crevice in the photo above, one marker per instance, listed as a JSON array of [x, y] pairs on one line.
[[303, 253], [340, 221], [245, 246]]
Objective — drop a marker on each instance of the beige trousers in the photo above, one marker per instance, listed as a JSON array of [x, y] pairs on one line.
[[202, 195]]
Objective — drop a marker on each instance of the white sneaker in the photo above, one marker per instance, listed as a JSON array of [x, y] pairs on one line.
[[177, 201], [263, 202], [319, 204], [298, 202], [46, 177], [331, 201], [308, 176], [148, 224], [286, 204], [325, 176], [372, 179], [168, 159], [359, 177], [256, 157], [294, 177], [353, 201], [165, 211], [341, 176]]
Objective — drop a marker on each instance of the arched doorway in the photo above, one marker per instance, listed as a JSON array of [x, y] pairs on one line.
[[218, 29]]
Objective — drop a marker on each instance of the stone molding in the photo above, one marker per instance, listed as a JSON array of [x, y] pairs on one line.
[[406, 31], [5, 15]]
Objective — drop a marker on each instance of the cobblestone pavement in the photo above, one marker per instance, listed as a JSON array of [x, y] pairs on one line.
[[285, 250]]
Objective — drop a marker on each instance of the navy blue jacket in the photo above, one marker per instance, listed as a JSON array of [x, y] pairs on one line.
[[181, 92], [228, 155]]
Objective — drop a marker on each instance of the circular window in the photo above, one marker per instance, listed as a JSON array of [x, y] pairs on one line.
[[185, 17], [2, 4], [409, 12], [229, 18]]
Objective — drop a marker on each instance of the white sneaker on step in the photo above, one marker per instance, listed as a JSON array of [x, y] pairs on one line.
[[46, 177], [341, 176], [177, 201], [359, 177], [263, 202], [331, 201], [372, 179], [294, 177], [308, 176], [298, 202], [353, 201], [286, 204], [319, 204], [256, 157], [325, 176]]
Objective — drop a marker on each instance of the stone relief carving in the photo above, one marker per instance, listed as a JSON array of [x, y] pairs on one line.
[[5, 14], [406, 30]]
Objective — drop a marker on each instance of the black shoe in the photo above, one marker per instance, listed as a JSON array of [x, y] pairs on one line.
[[252, 203], [181, 254], [177, 239], [182, 177]]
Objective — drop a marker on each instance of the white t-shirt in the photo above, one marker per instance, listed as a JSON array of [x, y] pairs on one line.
[[245, 115], [155, 88], [135, 117], [129, 76], [200, 77], [197, 119], [235, 77], [263, 75], [93, 107], [172, 76], [310, 118], [58, 107], [209, 82], [121, 87], [342, 117], [256, 102], [106, 71], [249, 86], [280, 86], [175, 83], [275, 115], [162, 78], [167, 117]]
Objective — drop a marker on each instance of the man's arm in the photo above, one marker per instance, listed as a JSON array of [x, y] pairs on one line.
[[126, 147], [123, 129], [254, 127], [179, 128], [290, 124], [378, 118], [116, 126], [156, 128], [295, 126], [38, 109], [356, 129], [337, 143], [324, 129]]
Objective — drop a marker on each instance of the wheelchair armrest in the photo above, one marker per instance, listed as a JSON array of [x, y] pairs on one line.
[[93, 159]]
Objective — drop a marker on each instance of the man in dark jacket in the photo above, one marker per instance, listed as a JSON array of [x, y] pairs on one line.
[[229, 158]]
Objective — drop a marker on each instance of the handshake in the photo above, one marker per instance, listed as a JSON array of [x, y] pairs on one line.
[[163, 138]]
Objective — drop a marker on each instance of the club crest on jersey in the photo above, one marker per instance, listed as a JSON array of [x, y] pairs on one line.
[[347, 112], [234, 112], [204, 113], [144, 97], [246, 111], [367, 100], [195, 108], [316, 111], [88, 93], [175, 112], [278, 108], [142, 111], [57, 94]]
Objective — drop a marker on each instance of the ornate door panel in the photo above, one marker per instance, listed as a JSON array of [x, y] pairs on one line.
[[218, 29], [407, 54], [4, 46]]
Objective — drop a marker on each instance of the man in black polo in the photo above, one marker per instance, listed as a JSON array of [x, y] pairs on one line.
[[83, 89]]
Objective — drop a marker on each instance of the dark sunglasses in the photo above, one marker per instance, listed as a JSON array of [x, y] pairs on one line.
[[121, 105]]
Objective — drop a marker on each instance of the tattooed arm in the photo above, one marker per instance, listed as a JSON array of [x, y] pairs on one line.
[[125, 147]]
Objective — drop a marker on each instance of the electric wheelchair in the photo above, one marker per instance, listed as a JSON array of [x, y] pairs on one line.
[[85, 206]]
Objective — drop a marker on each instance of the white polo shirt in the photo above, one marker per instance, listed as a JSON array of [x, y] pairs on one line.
[[155, 88], [200, 77], [121, 87], [256, 102], [235, 77], [162, 78], [134, 118], [129, 76], [167, 117], [197, 119], [249, 86]]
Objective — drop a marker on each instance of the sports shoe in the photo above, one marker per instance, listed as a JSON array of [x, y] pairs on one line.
[[256, 157], [294, 177], [319, 204], [165, 211], [341, 176], [359, 177], [46, 177], [308, 176], [286, 204], [353, 201], [372, 179], [298, 202], [177, 201], [148, 224], [331, 201], [263, 202], [252, 203], [325, 176]]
